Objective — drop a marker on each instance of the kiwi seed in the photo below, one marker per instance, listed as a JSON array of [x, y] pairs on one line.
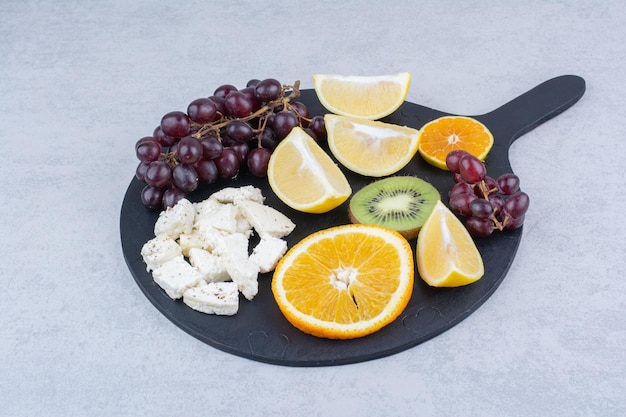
[[401, 203]]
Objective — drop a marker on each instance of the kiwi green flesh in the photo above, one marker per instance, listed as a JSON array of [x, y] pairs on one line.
[[401, 203]]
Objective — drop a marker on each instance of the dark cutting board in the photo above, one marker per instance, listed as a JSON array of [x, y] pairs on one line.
[[260, 332]]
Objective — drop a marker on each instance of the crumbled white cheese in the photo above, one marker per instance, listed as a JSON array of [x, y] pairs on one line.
[[221, 217], [234, 195], [176, 220], [175, 276], [201, 250], [245, 273], [211, 267], [220, 298], [265, 219], [268, 252], [159, 250]]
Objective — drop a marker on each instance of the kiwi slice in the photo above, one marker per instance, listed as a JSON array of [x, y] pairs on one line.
[[401, 203]]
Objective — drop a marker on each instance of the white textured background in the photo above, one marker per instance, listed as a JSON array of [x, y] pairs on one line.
[[81, 81]]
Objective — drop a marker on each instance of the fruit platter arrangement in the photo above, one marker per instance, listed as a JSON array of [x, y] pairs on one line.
[[327, 226]]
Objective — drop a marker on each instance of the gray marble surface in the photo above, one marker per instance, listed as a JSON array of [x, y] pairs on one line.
[[81, 81]]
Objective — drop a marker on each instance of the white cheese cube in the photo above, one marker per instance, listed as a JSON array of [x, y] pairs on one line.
[[175, 276], [268, 252], [266, 219], [220, 298], [245, 273], [188, 241], [205, 206], [233, 195], [159, 250], [222, 217], [234, 248], [212, 238], [176, 220], [211, 267]]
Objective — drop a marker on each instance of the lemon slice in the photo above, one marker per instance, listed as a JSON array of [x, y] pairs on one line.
[[446, 254], [370, 148], [346, 281], [362, 97], [304, 176]]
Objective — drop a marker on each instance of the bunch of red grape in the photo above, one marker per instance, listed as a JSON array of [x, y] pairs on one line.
[[217, 136], [486, 203]]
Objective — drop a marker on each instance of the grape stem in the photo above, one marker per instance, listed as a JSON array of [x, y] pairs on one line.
[[497, 224]]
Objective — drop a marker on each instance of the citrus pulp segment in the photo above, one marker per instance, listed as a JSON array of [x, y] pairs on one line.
[[370, 148], [362, 97], [345, 282], [304, 177], [446, 255], [449, 133]]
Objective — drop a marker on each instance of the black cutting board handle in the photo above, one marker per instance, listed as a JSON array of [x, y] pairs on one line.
[[534, 107]]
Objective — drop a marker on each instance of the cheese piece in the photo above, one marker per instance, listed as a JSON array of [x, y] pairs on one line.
[[265, 219], [221, 298], [234, 195], [211, 267], [188, 241], [234, 248], [245, 274], [175, 276], [176, 220], [268, 252], [221, 216], [159, 250], [213, 239]]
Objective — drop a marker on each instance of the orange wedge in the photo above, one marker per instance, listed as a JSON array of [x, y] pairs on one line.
[[446, 254], [304, 177], [346, 281], [362, 97], [445, 134], [370, 148]]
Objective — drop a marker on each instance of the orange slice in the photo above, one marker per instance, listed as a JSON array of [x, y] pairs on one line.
[[448, 133], [370, 148], [446, 254], [362, 97], [304, 177], [346, 281]]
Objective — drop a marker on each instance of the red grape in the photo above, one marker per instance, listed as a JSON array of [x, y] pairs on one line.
[[202, 110], [227, 163], [151, 197], [508, 183], [258, 160], [148, 149], [185, 178], [237, 104], [189, 150], [460, 203], [453, 158], [517, 204], [481, 208], [175, 124], [268, 89], [283, 123], [472, 169], [479, 227], [158, 174], [223, 90]]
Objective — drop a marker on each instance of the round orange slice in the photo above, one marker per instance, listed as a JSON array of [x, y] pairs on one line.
[[304, 176], [362, 97], [346, 281], [368, 147], [448, 133]]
